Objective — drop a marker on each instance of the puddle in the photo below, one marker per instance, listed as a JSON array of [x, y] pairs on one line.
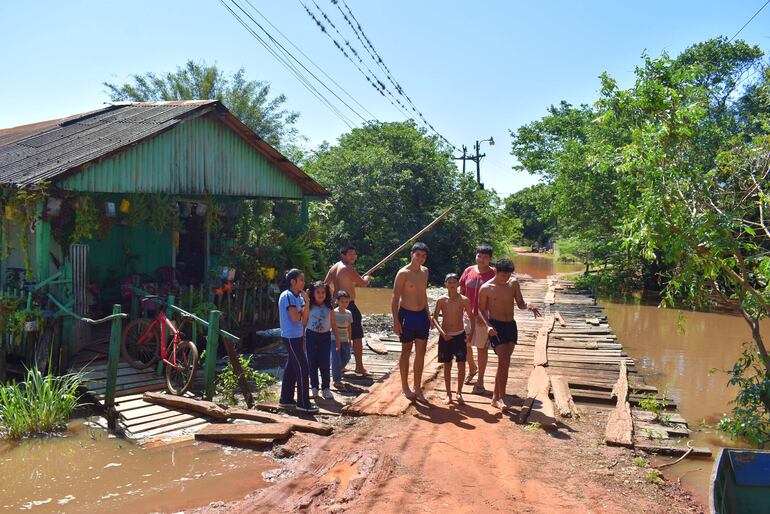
[[342, 473], [87, 470]]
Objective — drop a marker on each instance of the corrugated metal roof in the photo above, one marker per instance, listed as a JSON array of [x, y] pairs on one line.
[[58, 149]]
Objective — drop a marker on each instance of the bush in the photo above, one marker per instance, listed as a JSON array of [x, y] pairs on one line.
[[651, 403], [38, 405], [227, 382], [750, 417]]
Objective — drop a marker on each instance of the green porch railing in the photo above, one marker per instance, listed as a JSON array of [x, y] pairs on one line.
[[213, 335], [113, 356]]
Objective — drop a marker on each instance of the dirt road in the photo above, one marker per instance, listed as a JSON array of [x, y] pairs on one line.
[[461, 458]]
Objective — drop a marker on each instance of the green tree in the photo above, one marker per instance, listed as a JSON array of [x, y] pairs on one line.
[[248, 100], [532, 205], [673, 172], [388, 180]]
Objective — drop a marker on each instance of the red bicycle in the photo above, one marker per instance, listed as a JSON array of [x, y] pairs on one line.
[[144, 342]]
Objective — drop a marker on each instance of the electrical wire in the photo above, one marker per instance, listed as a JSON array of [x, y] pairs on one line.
[[277, 51], [377, 58], [319, 68], [370, 77], [750, 20]]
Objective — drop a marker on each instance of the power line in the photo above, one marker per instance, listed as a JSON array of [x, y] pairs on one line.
[[370, 77], [276, 42], [288, 66], [321, 70], [377, 58], [750, 20], [276, 53]]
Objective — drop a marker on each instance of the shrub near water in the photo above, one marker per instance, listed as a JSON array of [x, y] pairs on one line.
[[227, 381], [40, 404]]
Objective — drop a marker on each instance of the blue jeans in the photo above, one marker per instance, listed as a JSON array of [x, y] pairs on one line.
[[318, 356], [295, 374], [340, 359]]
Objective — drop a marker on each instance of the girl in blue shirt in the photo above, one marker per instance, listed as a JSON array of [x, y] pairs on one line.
[[293, 316]]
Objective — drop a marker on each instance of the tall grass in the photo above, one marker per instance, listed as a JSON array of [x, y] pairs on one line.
[[40, 404]]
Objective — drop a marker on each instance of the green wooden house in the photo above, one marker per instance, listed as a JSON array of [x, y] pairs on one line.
[[139, 182]]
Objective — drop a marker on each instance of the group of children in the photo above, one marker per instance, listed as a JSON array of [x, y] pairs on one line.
[[479, 315], [310, 323]]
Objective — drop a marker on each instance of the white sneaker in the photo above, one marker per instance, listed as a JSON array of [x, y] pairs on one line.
[[328, 394], [313, 392]]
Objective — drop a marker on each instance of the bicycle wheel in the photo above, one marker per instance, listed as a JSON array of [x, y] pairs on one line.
[[140, 352], [180, 377]]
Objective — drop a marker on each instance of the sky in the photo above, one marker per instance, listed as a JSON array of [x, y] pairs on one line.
[[474, 69]]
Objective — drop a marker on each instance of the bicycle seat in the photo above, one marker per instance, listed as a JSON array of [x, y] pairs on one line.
[[151, 297]]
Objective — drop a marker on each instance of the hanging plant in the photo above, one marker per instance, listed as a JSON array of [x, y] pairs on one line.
[[86, 219], [213, 217], [165, 214], [20, 206], [8, 305]]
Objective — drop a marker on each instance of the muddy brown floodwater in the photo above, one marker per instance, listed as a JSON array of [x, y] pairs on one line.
[[88, 471], [677, 350]]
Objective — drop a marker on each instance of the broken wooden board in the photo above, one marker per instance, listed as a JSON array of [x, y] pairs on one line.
[[212, 410], [376, 346], [241, 431], [663, 449], [643, 415], [209, 409], [275, 407], [620, 426], [538, 407], [541, 344], [561, 321], [386, 398], [565, 405], [297, 424]]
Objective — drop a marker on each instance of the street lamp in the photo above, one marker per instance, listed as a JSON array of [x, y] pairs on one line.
[[478, 157]]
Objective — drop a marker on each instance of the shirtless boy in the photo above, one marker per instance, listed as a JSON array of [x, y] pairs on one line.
[[451, 331], [343, 276], [411, 317], [496, 305]]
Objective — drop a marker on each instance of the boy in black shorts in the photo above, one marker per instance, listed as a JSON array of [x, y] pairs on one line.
[[496, 303], [451, 343]]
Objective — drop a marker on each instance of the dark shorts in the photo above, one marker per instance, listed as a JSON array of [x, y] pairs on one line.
[[507, 333], [357, 328], [414, 325], [455, 347]]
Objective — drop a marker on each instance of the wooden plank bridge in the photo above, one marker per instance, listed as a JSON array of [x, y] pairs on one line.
[[566, 362]]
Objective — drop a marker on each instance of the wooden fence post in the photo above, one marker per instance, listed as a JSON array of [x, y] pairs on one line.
[[210, 366], [112, 369]]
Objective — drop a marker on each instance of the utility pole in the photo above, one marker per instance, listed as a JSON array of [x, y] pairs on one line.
[[478, 163], [476, 158], [463, 157]]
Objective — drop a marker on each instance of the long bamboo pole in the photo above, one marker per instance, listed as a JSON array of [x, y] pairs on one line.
[[408, 241]]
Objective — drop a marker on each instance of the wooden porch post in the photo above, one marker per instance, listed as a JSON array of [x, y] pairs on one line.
[[42, 243]]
